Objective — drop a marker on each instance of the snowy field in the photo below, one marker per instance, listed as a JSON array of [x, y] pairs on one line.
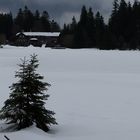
[[95, 94]]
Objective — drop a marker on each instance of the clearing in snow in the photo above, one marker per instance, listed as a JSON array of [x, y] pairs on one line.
[[95, 94]]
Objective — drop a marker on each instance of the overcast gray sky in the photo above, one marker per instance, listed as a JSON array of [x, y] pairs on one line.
[[60, 10]]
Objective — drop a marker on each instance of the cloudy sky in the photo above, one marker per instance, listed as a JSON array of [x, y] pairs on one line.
[[61, 10]]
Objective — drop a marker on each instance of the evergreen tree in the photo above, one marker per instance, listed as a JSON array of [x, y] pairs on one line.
[[19, 20], [37, 15], [45, 21], [129, 32], [25, 105], [81, 38], [114, 19], [73, 25], [28, 20], [99, 29], [136, 23], [66, 29], [24, 19], [6, 24], [83, 16], [115, 7], [54, 27], [37, 24], [118, 24], [123, 24], [91, 28]]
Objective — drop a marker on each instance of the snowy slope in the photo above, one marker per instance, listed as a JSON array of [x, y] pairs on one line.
[[95, 94]]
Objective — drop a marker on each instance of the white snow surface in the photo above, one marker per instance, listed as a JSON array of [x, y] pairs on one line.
[[95, 94]]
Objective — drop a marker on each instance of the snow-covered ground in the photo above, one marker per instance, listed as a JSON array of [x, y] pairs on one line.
[[95, 94]]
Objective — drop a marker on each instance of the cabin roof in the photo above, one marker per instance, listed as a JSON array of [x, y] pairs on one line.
[[51, 34]]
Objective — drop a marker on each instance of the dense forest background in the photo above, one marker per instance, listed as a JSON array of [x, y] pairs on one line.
[[26, 21], [121, 32]]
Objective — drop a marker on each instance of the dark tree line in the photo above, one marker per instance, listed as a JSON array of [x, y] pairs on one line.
[[6, 24], [121, 32], [38, 22], [26, 20], [124, 25], [87, 33]]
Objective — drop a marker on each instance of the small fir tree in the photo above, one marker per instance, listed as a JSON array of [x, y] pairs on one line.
[[25, 105]]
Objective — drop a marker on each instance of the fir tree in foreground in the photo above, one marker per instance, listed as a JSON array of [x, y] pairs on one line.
[[26, 103]]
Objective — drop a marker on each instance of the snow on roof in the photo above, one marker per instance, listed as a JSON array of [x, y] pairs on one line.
[[33, 39], [53, 34]]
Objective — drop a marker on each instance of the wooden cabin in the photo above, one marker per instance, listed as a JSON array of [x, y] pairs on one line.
[[50, 39]]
